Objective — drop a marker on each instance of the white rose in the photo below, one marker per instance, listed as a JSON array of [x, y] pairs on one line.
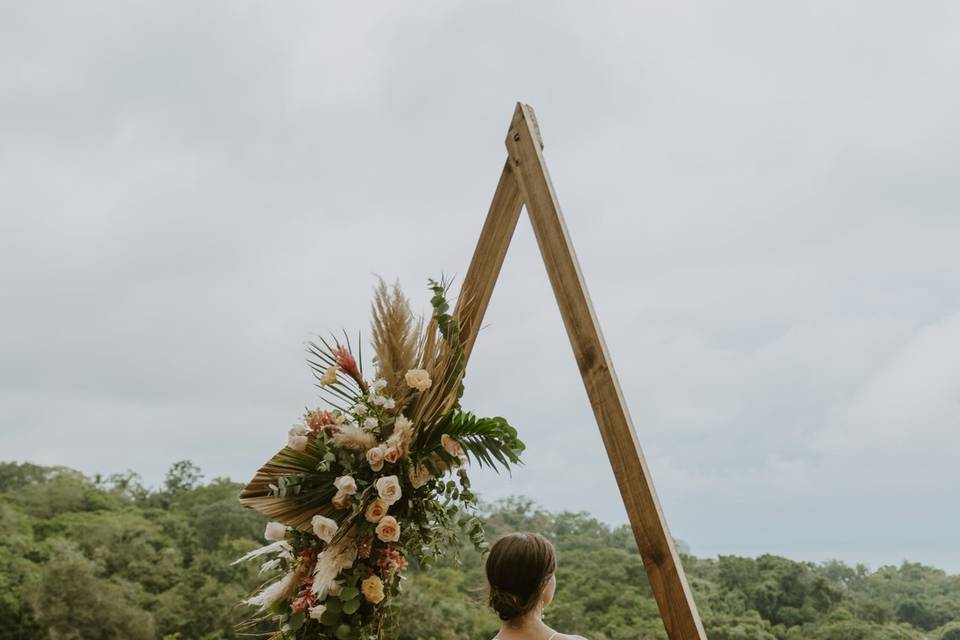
[[275, 531], [317, 611], [370, 423], [329, 376], [419, 476], [388, 488], [375, 458], [346, 484], [418, 379], [323, 527]]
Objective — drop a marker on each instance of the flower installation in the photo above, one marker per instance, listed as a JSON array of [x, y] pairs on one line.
[[376, 480]]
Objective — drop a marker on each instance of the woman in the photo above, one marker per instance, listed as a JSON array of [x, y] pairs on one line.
[[521, 572]]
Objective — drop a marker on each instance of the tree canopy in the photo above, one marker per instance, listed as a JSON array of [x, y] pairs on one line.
[[106, 558]]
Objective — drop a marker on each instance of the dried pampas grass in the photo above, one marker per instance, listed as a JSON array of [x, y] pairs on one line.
[[395, 338]]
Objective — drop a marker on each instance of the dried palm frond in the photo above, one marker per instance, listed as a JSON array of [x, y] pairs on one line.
[[289, 489], [396, 339]]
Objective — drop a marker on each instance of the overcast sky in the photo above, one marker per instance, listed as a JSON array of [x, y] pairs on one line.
[[764, 197]]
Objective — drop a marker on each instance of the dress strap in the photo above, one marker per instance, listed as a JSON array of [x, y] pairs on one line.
[[553, 636]]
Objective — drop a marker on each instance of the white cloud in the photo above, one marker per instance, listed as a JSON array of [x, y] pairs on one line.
[[763, 199]]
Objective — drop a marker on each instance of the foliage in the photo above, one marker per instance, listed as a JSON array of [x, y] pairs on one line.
[[83, 559]]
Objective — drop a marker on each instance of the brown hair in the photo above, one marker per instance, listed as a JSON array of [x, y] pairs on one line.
[[518, 568]]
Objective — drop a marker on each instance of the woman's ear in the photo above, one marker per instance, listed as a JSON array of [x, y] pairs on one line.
[[548, 590]]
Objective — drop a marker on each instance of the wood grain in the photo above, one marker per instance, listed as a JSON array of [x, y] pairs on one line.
[[498, 228], [667, 579]]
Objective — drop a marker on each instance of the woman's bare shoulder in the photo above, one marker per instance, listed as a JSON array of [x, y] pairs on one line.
[[563, 636]]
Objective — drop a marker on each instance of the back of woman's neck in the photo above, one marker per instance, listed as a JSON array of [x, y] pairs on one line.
[[530, 626]]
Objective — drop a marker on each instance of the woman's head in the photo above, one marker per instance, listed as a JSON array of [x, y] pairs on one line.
[[520, 570]]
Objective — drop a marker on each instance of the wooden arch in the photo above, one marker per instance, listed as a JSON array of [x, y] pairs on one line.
[[525, 182]]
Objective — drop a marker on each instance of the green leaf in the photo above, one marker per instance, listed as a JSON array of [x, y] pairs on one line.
[[351, 606], [334, 604], [296, 621], [349, 593], [343, 632], [330, 617]]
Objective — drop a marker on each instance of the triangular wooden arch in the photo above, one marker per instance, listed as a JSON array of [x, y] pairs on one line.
[[526, 182]]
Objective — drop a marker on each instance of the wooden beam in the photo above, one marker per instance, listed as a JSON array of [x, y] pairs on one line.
[[667, 580], [498, 228]]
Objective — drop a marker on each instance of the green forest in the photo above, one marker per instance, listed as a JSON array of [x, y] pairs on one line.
[[105, 558]]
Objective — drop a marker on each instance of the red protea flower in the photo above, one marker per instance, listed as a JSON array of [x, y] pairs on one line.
[[305, 599], [318, 419], [347, 363]]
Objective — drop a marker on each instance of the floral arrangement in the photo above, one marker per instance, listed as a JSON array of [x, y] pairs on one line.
[[375, 481]]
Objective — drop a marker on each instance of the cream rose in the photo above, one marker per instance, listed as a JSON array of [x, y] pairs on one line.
[[323, 527], [375, 458], [317, 611], [296, 438], [346, 484], [376, 510], [451, 446], [372, 589], [418, 379], [275, 531], [329, 376], [388, 529], [388, 488], [419, 476], [341, 500], [391, 455]]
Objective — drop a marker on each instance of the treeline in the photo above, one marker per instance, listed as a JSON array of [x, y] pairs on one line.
[[108, 559]]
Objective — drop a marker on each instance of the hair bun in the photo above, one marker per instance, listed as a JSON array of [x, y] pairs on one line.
[[507, 605]]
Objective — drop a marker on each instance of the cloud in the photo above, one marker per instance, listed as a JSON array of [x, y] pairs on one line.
[[763, 199]]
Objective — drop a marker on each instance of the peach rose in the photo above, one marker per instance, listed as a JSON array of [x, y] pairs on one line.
[[451, 446], [419, 476], [372, 589], [391, 455], [388, 529], [376, 510]]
